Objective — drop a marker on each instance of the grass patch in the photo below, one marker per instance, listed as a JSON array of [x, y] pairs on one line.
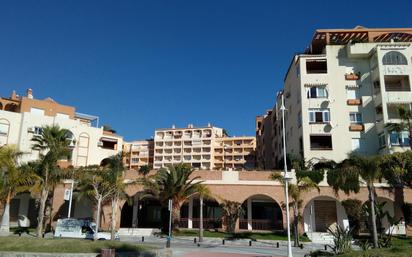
[[54, 245], [278, 236]]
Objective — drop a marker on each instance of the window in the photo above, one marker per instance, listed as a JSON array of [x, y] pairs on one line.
[[351, 93], [400, 139], [382, 140], [135, 160], [355, 117], [4, 129], [394, 58], [356, 144], [316, 66], [108, 143], [321, 142], [317, 92], [298, 71], [299, 120], [38, 130], [62, 116], [319, 116]]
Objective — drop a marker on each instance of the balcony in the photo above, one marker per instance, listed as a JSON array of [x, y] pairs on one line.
[[352, 76], [356, 127], [354, 102]]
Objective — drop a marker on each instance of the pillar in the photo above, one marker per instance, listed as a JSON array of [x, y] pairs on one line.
[[135, 223], [190, 214], [249, 214]]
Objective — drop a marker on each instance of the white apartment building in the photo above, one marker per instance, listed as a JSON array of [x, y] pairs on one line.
[[193, 145], [343, 90], [23, 117], [138, 153]]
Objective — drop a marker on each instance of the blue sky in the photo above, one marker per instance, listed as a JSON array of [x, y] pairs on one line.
[[142, 65]]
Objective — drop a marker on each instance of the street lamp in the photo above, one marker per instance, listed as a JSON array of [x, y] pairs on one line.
[[286, 177]]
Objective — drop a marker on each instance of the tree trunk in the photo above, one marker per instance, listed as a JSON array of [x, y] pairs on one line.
[[175, 216], [99, 207], [373, 216], [5, 220], [113, 225], [296, 224], [42, 207], [201, 220]]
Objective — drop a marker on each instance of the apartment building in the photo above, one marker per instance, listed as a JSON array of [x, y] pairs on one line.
[[343, 90], [205, 148], [193, 145], [266, 139], [139, 153], [22, 117], [236, 153]]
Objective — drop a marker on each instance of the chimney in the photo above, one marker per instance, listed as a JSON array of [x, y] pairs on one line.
[[29, 93], [209, 125], [14, 95], [173, 126]]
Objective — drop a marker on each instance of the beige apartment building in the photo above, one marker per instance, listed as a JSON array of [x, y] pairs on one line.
[[138, 153], [236, 153], [202, 147], [343, 90]]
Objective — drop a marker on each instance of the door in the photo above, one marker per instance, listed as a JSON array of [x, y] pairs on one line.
[[325, 214]]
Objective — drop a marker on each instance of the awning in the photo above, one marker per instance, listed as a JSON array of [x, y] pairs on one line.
[[108, 139]]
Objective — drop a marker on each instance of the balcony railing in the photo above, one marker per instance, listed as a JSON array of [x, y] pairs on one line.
[[261, 224]]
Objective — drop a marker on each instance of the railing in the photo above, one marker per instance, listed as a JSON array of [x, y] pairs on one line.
[[261, 224], [208, 223]]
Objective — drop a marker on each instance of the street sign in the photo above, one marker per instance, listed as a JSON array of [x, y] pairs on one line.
[[67, 194]]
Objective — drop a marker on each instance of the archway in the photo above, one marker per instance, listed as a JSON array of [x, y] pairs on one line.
[[141, 213], [190, 214], [323, 213], [23, 204], [261, 212], [11, 107], [385, 217]]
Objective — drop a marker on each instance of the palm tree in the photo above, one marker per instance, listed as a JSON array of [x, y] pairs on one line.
[[231, 211], [405, 124], [14, 180], [203, 193], [53, 144], [96, 182], [303, 185], [173, 183], [115, 168], [353, 172], [144, 170]]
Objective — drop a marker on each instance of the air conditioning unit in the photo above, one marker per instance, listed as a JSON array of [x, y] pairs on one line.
[[30, 130], [100, 143]]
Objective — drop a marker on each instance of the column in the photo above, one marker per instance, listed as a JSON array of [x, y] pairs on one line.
[[190, 214], [249, 214], [135, 212]]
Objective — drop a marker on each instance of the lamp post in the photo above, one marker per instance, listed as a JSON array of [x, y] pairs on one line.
[[70, 199], [286, 177]]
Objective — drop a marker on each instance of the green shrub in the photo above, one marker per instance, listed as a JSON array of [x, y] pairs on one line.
[[315, 175]]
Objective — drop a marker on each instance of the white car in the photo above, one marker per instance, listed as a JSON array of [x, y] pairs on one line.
[[74, 228]]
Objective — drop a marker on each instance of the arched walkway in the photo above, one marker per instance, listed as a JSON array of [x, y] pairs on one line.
[[323, 213], [190, 214], [23, 204], [385, 216], [141, 213], [261, 212]]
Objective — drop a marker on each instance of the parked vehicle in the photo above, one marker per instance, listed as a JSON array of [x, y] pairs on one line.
[[75, 228]]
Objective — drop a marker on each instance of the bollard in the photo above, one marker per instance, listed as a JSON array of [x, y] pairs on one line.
[[168, 242], [194, 240], [277, 244], [142, 239], [223, 241], [326, 248], [301, 246], [198, 245], [250, 243]]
